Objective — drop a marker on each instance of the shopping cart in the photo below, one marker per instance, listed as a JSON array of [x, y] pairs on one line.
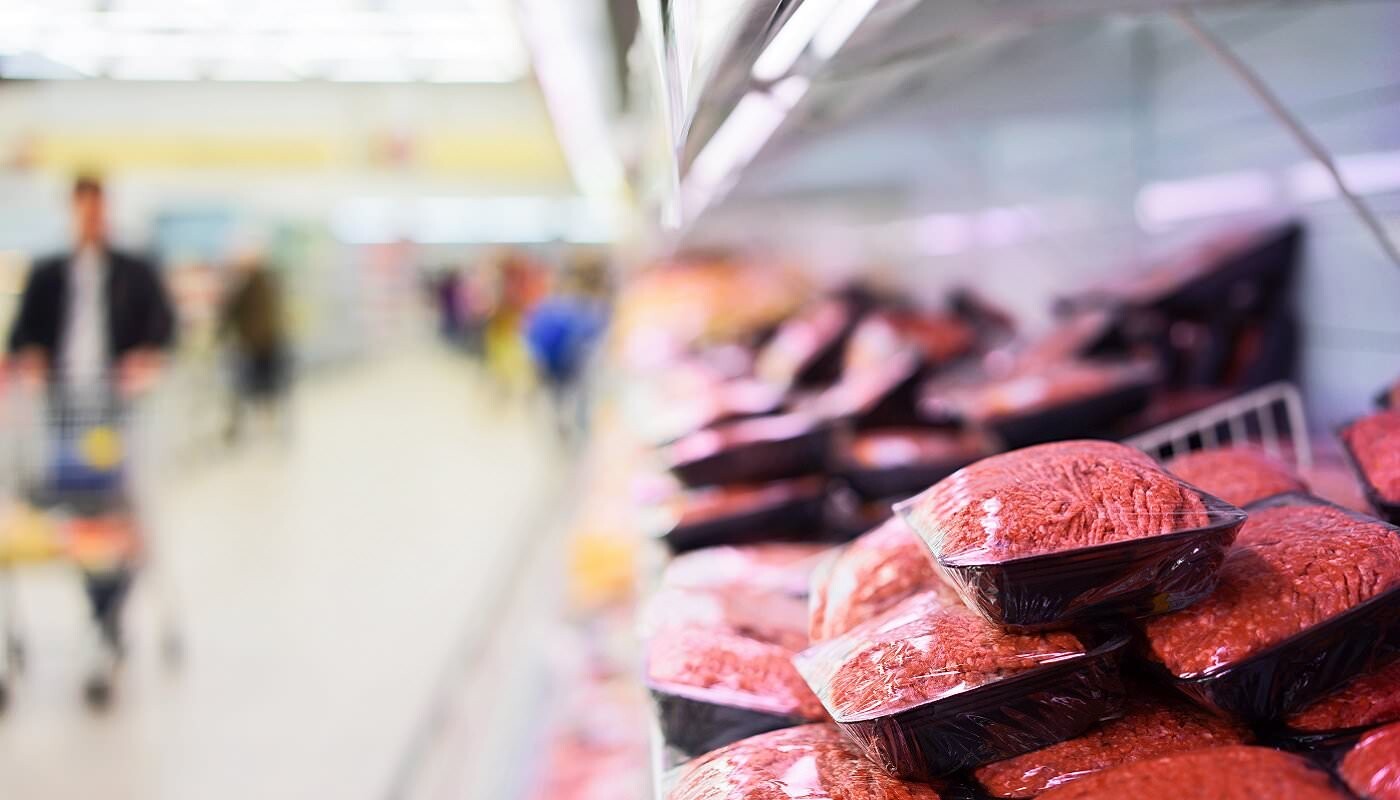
[[78, 491]]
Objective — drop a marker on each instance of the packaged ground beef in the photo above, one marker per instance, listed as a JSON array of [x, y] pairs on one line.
[[751, 450], [885, 393], [1221, 773], [1238, 475], [1150, 727], [746, 514], [1372, 768], [784, 567], [868, 577], [1070, 531], [773, 617], [930, 687], [811, 762], [900, 461], [806, 350], [1307, 599], [713, 687], [1372, 698], [1374, 445]]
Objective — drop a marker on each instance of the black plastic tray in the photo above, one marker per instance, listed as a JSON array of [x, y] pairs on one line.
[[695, 727], [1135, 578], [1025, 712], [761, 461], [1388, 511], [795, 519], [1289, 675], [1089, 416]]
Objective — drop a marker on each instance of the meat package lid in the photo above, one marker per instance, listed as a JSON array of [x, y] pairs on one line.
[[712, 687], [782, 511], [1372, 768], [898, 462], [1380, 453], [1237, 772], [811, 762], [1069, 532], [930, 688], [1150, 727], [1238, 475], [752, 450], [1281, 659]]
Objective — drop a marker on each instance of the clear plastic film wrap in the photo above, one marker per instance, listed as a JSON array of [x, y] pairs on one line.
[[781, 511], [898, 462], [1308, 599], [784, 567], [1150, 727], [868, 577], [773, 617], [1222, 773], [1050, 402], [1370, 699], [1074, 531], [1239, 475], [811, 762], [753, 450], [1372, 444], [713, 687], [930, 688], [1372, 769]]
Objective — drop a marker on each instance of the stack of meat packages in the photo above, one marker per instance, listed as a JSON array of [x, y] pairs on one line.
[[1065, 620]]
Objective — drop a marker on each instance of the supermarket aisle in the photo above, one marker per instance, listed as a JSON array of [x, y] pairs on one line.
[[324, 589]]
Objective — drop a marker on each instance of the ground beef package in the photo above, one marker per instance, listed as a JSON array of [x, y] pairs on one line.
[[713, 687], [806, 350], [781, 511], [1049, 403], [1149, 728], [1308, 599], [1368, 700], [1073, 531], [774, 617], [900, 461], [1373, 443], [1238, 475], [929, 688], [782, 567], [886, 393], [868, 577], [752, 450], [1372, 769], [1222, 773], [811, 762]]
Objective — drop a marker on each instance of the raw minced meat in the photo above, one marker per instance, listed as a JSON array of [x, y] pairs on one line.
[[1149, 728], [868, 577], [1292, 567], [1044, 386], [1051, 498], [1373, 698], [923, 649], [768, 616], [1238, 475], [811, 762], [897, 447], [1372, 768], [777, 567], [712, 503], [1375, 441], [1220, 773], [728, 669]]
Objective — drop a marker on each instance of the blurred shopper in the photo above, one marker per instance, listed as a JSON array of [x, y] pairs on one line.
[[561, 332], [93, 323], [506, 357], [254, 324]]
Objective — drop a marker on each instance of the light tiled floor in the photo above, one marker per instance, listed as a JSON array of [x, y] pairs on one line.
[[324, 590]]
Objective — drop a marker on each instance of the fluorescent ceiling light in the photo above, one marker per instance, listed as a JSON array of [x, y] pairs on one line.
[[778, 58]]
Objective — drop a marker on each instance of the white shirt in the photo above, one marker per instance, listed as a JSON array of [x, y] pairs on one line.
[[83, 357]]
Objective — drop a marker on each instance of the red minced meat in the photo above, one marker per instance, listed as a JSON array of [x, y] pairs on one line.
[[1292, 568], [1219, 773], [699, 506], [1037, 388], [1375, 442], [1372, 768], [811, 762], [871, 575], [923, 649], [776, 567], [729, 669], [767, 616], [1150, 728], [899, 447], [1238, 475], [1052, 498], [1373, 698]]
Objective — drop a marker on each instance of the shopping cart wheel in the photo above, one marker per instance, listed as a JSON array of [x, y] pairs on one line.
[[98, 692]]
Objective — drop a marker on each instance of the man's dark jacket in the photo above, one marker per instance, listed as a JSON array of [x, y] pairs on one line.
[[138, 311]]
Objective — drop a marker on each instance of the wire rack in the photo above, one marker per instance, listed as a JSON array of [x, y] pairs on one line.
[[1271, 417]]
